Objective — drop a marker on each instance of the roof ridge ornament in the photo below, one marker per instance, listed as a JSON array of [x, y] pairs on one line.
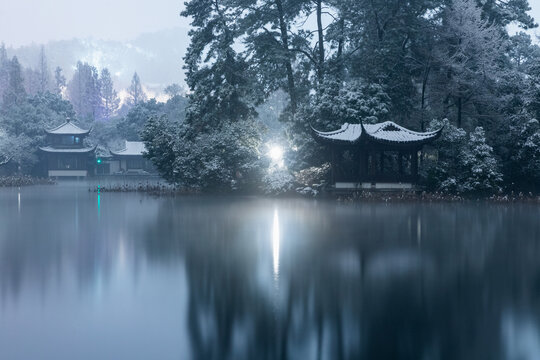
[[362, 126]]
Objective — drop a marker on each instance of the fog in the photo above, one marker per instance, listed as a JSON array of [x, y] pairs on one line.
[[24, 22]]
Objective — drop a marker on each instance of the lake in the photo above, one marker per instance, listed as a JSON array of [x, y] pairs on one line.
[[131, 276]]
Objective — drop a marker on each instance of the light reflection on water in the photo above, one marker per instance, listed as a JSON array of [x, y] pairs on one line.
[[121, 275], [275, 244]]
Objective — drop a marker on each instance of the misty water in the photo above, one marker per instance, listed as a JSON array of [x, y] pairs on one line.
[[132, 276]]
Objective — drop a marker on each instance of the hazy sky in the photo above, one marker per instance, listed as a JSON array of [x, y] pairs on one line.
[[26, 21]]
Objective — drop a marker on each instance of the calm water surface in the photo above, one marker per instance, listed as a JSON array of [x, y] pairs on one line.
[[130, 276]]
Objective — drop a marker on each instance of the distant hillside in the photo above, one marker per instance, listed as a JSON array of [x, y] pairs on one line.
[[157, 57]]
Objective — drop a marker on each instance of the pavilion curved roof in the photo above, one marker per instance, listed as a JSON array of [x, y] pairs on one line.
[[67, 128], [51, 149], [387, 132]]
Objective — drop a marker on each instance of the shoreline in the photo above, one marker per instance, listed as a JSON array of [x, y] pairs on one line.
[[24, 180], [164, 189]]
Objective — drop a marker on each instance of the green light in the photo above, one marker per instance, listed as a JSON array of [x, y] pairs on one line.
[[99, 161]]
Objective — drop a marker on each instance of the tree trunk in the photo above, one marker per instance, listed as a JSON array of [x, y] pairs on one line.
[[341, 44], [423, 105], [459, 108], [291, 88], [320, 65]]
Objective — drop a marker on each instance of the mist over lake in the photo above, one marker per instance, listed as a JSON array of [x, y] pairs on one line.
[[124, 275]]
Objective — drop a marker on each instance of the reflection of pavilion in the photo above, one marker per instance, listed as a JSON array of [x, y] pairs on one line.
[[383, 155]]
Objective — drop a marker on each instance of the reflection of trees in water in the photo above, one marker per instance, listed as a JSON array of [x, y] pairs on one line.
[[375, 281], [360, 281], [63, 237]]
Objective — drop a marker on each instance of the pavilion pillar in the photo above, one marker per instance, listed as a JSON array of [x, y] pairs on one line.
[[381, 162], [400, 162], [363, 170], [333, 165], [414, 165]]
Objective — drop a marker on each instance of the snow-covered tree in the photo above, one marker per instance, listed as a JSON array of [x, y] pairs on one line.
[[84, 91], [481, 172], [526, 162], [160, 135], [173, 90], [224, 158], [109, 98], [59, 81], [15, 92], [468, 55], [277, 181], [23, 123], [4, 71], [131, 125], [442, 172], [31, 81], [44, 76], [136, 92], [465, 164], [217, 146]]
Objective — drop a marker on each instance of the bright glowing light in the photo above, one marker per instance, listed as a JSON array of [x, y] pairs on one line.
[[275, 153], [275, 243]]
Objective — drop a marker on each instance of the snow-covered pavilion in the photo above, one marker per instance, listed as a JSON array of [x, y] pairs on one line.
[[66, 155], [130, 159], [380, 156]]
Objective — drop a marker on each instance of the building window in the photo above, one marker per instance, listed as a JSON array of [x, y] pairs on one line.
[[67, 140]]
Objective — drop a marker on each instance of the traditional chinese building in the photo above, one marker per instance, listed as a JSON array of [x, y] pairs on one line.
[[130, 160], [380, 156], [66, 155]]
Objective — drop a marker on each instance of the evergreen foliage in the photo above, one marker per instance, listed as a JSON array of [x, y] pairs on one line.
[[84, 92], [109, 98], [136, 92], [465, 163]]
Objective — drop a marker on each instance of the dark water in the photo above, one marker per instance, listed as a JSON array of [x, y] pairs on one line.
[[129, 276]]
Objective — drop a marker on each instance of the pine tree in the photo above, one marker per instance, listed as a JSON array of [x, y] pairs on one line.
[[468, 56], [31, 81], [221, 88], [217, 146], [109, 97], [60, 81], [526, 169], [269, 43], [136, 91], [84, 91], [4, 70], [480, 168], [43, 71], [15, 92]]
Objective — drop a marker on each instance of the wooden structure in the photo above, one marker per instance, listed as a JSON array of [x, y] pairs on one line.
[[130, 160], [374, 156], [66, 155]]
